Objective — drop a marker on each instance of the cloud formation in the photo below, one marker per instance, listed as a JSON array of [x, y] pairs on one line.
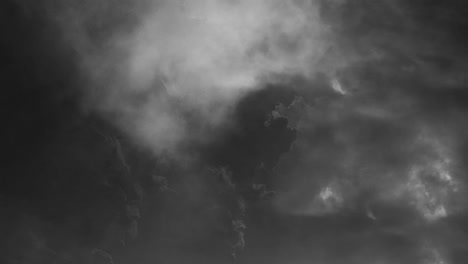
[[382, 142], [177, 71]]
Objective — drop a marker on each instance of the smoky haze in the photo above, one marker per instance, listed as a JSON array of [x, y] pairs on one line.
[[220, 131]]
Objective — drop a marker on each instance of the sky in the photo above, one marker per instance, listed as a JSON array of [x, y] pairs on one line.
[[234, 131]]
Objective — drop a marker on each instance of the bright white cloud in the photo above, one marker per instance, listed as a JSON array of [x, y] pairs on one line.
[[196, 58]]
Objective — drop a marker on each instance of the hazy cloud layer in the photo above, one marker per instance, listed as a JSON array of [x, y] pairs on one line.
[[371, 93], [390, 146]]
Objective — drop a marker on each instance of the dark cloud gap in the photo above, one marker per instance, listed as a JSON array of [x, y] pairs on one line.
[[253, 143]]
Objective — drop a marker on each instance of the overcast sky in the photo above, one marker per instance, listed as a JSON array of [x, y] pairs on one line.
[[219, 131]]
